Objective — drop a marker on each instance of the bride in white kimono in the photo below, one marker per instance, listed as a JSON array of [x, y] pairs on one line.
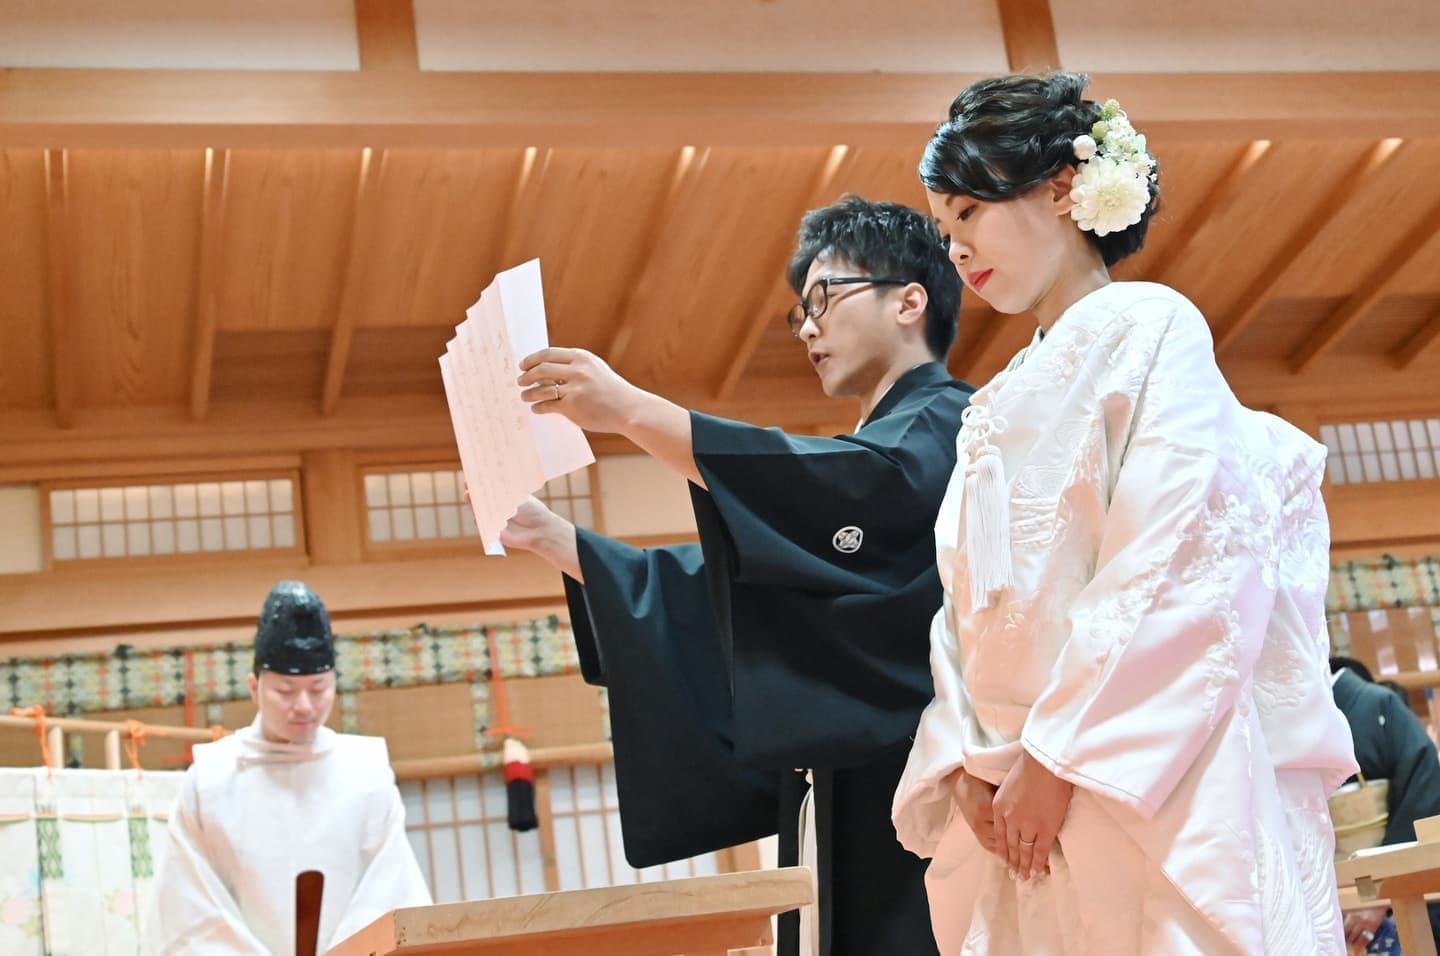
[[1133, 737]]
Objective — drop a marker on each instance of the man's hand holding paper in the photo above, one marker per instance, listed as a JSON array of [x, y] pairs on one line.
[[507, 453], [579, 385]]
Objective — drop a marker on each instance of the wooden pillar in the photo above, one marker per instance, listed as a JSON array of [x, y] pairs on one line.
[[332, 506], [55, 738]]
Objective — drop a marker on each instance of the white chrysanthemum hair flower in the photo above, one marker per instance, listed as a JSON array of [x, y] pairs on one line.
[[1109, 196], [1111, 189]]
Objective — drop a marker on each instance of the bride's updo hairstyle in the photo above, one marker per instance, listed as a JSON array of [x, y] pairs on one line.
[[1009, 134]]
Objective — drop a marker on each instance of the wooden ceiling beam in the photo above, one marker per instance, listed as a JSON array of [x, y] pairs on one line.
[[272, 427], [1379, 388], [1424, 341], [385, 34], [257, 108], [207, 307], [354, 282], [516, 222], [688, 165], [1271, 278], [1372, 288], [57, 284], [1221, 194], [760, 314], [1029, 32]]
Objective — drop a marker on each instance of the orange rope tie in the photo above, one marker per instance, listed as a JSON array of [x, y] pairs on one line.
[[37, 713], [135, 734]]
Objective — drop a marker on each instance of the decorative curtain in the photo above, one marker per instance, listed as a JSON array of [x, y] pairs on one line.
[[1385, 583], [71, 685], [80, 850]]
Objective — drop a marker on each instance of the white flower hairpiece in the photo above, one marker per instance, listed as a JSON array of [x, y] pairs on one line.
[[1111, 189]]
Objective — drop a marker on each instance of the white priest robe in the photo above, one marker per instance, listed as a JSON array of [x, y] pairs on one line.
[[251, 816], [1153, 632]]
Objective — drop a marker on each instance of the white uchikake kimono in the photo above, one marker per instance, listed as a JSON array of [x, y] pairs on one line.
[[251, 816], [1152, 632]]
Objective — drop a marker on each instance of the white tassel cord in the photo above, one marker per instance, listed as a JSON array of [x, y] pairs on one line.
[[987, 528]]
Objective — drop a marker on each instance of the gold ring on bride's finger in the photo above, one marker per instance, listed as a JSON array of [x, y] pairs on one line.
[[557, 392]]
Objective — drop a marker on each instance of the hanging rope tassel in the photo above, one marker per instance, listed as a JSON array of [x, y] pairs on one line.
[[37, 714], [519, 786], [135, 734], [987, 528], [519, 772]]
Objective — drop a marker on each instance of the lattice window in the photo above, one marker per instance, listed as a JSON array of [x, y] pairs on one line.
[[1400, 450], [429, 506], [465, 848], [467, 851], [136, 520], [570, 497], [589, 852]]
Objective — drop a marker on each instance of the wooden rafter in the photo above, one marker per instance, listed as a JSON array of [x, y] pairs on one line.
[[57, 283], [199, 108], [1425, 339], [1258, 295], [760, 316], [1373, 287], [995, 344], [343, 334], [1029, 32], [212, 214], [1225, 189], [385, 34], [688, 165], [516, 226]]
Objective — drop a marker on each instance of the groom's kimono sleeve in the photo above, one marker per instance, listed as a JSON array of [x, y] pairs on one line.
[[795, 635], [681, 791], [820, 559]]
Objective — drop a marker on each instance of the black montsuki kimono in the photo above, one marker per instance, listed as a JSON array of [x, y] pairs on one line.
[[794, 635], [1391, 744]]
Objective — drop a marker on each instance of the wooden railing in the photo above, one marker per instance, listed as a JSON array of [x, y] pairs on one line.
[[54, 730]]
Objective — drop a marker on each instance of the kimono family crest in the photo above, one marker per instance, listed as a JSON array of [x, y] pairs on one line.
[[848, 539]]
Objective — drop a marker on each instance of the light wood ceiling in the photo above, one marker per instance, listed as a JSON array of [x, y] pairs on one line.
[[195, 261]]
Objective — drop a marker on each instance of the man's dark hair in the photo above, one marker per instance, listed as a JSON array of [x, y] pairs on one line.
[[1353, 666], [885, 239]]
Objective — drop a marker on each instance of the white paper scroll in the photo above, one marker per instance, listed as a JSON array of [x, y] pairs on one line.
[[507, 451]]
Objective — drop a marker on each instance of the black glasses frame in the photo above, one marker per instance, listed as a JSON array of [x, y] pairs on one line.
[[817, 298]]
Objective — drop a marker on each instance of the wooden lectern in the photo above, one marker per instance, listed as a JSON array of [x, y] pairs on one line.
[[1404, 873], [704, 916]]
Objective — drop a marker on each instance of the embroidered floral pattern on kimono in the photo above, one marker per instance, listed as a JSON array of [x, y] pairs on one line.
[[1154, 635]]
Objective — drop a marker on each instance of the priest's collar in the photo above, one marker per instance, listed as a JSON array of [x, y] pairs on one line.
[[256, 748], [926, 373]]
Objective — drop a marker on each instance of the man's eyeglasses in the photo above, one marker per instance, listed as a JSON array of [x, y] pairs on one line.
[[817, 298]]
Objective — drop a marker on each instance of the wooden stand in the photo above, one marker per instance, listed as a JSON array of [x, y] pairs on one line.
[[705, 916], [1403, 874]]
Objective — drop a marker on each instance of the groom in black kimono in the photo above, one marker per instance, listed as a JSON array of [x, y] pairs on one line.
[[796, 633]]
